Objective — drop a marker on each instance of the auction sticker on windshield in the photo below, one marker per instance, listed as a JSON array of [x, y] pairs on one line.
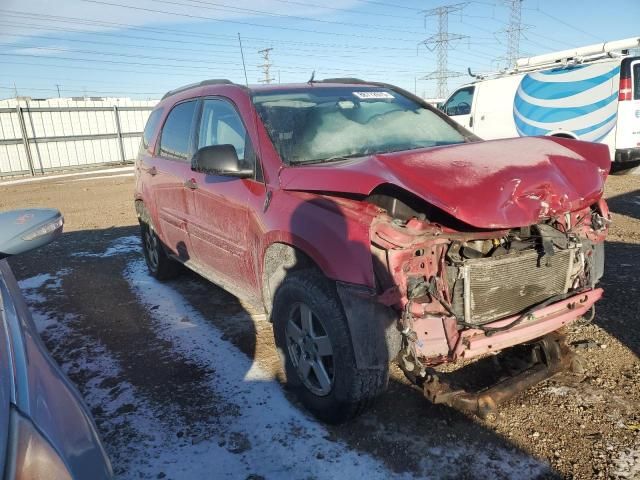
[[373, 95]]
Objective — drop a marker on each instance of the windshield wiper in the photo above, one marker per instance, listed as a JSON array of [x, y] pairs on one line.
[[326, 160]]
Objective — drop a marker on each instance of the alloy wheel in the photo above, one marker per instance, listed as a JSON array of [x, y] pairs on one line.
[[151, 245], [310, 350]]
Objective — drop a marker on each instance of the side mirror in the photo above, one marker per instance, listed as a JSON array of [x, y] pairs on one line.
[[27, 229], [219, 160]]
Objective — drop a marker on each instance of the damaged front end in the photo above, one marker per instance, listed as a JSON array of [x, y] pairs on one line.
[[461, 292]]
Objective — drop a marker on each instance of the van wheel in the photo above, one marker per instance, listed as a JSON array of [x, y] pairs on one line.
[[160, 265], [314, 344]]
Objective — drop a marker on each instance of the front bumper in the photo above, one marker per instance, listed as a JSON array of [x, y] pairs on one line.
[[475, 342]]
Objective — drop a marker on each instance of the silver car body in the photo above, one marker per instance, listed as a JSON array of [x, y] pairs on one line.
[[33, 388]]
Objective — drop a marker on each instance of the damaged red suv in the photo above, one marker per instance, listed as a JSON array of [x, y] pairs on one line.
[[373, 229]]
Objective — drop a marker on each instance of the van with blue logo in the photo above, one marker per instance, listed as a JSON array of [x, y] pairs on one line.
[[590, 93]]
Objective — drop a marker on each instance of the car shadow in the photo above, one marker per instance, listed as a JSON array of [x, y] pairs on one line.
[[402, 430], [626, 204], [619, 310]]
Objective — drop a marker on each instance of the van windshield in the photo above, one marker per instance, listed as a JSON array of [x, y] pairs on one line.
[[319, 124]]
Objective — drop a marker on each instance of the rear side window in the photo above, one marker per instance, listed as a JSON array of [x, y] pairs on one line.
[[150, 128], [176, 133], [460, 102], [636, 81]]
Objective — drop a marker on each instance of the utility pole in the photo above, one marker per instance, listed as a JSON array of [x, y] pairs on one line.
[[58, 87], [513, 31], [266, 66], [441, 42]]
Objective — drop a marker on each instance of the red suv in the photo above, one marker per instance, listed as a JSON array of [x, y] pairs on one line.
[[372, 228]]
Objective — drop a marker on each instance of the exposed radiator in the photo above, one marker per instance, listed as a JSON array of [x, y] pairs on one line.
[[495, 288]]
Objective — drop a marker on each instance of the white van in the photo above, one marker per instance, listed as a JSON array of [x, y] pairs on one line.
[[590, 93]]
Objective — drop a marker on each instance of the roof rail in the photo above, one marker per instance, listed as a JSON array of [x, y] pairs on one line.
[[597, 50], [342, 80], [213, 81]]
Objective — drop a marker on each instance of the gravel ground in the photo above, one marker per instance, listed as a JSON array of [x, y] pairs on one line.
[[180, 376]]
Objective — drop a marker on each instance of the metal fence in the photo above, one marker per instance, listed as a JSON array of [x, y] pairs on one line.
[[35, 140]]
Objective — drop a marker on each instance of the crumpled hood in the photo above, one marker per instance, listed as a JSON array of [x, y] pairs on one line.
[[493, 184]]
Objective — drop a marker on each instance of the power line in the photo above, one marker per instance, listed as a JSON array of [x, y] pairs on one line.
[[337, 9], [116, 54], [119, 62], [289, 69], [208, 5], [224, 54], [357, 54], [238, 22], [566, 24], [387, 4], [165, 31], [98, 92]]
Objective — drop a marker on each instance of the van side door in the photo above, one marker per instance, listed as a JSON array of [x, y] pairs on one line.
[[459, 106]]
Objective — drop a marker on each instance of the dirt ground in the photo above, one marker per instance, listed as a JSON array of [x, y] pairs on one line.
[[572, 426]]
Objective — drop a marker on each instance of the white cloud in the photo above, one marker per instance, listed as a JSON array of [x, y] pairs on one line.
[[50, 51]]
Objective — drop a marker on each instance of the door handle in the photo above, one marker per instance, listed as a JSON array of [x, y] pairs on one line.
[[471, 121], [191, 183], [153, 171]]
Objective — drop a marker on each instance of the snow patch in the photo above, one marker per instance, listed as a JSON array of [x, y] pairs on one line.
[[127, 422], [272, 437], [627, 464], [121, 246], [258, 433], [283, 441], [561, 391], [36, 281], [32, 287]]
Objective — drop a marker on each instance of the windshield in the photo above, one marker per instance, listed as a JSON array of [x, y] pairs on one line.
[[322, 123]]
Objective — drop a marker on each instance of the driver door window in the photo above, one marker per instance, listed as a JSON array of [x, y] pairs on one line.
[[220, 124], [460, 102]]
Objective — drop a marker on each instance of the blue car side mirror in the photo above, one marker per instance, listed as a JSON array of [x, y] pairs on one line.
[[26, 229]]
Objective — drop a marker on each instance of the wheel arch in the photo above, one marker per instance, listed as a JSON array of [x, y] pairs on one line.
[[279, 258], [563, 134], [142, 212], [374, 334]]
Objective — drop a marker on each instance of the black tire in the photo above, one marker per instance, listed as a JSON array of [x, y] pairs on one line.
[[160, 265], [352, 390]]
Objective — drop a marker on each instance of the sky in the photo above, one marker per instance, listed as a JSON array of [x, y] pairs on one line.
[[144, 48]]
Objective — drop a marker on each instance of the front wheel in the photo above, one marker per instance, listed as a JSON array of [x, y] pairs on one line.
[[313, 339]]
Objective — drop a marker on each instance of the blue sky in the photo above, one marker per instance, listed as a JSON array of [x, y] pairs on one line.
[[142, 49]]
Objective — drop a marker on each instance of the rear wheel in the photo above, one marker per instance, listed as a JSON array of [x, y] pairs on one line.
[[160, 265], [314, 343]]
